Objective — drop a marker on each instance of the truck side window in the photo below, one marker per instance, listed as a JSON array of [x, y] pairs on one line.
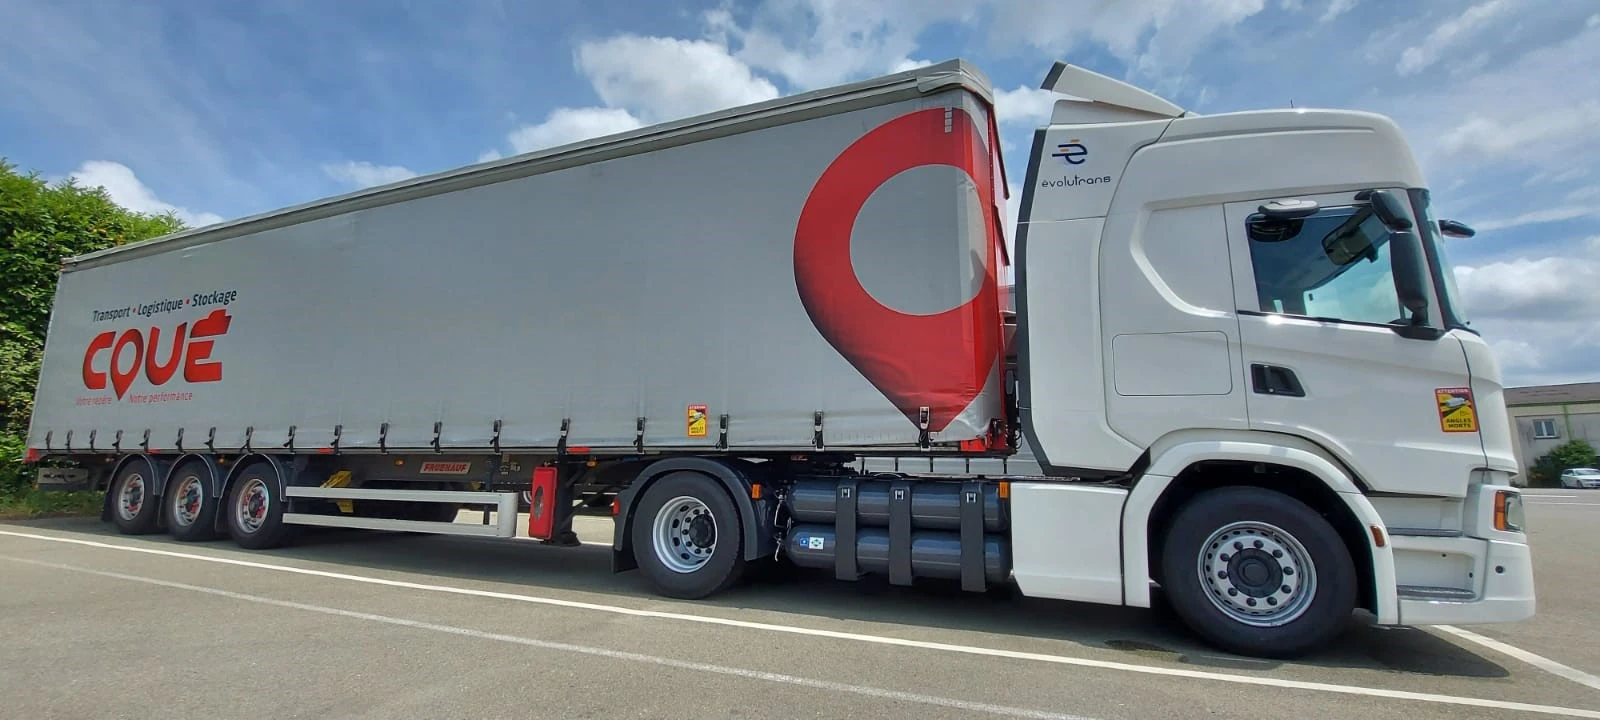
[[1332, 265]]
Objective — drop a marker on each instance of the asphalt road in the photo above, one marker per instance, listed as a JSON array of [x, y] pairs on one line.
[[353, 625]]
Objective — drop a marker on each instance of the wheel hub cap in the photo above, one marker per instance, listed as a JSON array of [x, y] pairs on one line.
[[253, 506], [1257, 574], [188, 503], [684, 534], [131, 499]]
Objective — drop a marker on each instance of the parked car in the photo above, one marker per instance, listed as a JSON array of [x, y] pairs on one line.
[[1580, 478]]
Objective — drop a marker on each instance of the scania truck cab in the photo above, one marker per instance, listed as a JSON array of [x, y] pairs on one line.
[[1250, 321]]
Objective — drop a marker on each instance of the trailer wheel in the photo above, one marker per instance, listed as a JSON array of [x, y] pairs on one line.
[[1257, 572], [255, 509], [134, 507], [190, 510], [687, 537]]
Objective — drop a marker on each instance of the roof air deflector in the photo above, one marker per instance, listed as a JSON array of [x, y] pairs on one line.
[[1091, 86]]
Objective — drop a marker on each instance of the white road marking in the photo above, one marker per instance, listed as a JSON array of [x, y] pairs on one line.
[[1564, 504], [855, 637], [1538, 661], [1542, 495], [584, 649]]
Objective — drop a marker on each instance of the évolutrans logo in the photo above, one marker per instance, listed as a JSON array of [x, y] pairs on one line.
[[1073, 152]]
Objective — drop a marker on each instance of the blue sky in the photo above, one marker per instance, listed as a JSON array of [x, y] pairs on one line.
[[217, 110]]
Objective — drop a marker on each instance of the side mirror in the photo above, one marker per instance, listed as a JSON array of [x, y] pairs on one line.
[[1410, 271], [1389, 208], [1452, 228]]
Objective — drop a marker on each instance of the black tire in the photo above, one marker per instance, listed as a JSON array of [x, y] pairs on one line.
[[135, 509], [256, 527], [188, 509], [714, 572], [1310, 618]]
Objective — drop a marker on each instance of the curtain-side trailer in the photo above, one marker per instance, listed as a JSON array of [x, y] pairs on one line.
[[1234, 367]]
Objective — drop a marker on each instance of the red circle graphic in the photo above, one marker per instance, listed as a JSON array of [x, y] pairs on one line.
[[940, 361]]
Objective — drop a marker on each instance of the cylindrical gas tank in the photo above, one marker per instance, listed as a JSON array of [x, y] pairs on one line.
[[934, 505], [934, 554]]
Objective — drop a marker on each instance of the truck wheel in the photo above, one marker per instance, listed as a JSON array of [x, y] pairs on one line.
[[1256, 572], [255, 509], [687, 538], [190, 510], [134, 507]]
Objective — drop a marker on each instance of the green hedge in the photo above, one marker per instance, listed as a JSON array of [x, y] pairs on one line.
[[40, 225]]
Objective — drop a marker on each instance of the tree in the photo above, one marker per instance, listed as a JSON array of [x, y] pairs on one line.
[[40, 225], [1576, 453]]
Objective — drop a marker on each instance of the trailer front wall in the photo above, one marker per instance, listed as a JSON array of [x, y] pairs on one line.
[[716, 275]]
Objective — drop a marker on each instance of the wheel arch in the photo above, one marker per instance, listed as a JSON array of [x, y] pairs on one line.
[[214, 476], [1185, 466], [155, 467], [280, 470], [736, 477]]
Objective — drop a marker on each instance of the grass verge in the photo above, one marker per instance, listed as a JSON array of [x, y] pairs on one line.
[[33, 504]]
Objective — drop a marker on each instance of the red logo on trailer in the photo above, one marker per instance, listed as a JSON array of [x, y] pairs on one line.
[[940, 361], [131, 355]]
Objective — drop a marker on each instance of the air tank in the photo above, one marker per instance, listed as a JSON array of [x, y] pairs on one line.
[[934, 554], [934, 505]]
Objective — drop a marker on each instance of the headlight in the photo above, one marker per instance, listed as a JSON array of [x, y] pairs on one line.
[[1508, 511]]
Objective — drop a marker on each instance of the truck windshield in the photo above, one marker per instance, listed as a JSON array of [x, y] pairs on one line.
[[1440, 267]]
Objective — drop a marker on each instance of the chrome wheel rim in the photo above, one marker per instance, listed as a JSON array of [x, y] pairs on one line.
[[1257, 574], [130, 500], [251, 511], [187, 501], [685, 534]]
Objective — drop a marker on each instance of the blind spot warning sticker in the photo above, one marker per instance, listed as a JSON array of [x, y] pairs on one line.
[[1456, 411], [697, 421]]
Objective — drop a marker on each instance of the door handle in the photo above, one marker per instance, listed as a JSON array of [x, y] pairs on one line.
[[1275, 380]]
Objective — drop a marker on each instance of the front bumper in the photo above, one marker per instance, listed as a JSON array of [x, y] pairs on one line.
[[1496, 588]]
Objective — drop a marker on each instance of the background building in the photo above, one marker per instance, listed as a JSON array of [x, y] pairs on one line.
[[1545, 416]]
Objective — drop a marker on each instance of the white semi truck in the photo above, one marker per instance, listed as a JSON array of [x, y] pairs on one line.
[[1236, 368]]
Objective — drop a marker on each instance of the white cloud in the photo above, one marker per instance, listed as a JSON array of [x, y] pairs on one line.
[[1548, 288], [1591, 192], [1157, 38], [1024, 106], [645, 80], [1488, 139], [662, 78], [1517, 356], [127, 190], [489, 156], [1557, 213], [1518, 122], [909, 64], [1450, 33], [1558, 175], [363, 174], [1538, 314], [815, 43], [1337, 8], [568, 125]]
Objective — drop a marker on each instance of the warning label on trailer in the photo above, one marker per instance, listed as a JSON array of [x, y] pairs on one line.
[[1456, 411], [697, 421]]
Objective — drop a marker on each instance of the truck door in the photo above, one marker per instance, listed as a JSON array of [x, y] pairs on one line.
[[1325, 356]]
